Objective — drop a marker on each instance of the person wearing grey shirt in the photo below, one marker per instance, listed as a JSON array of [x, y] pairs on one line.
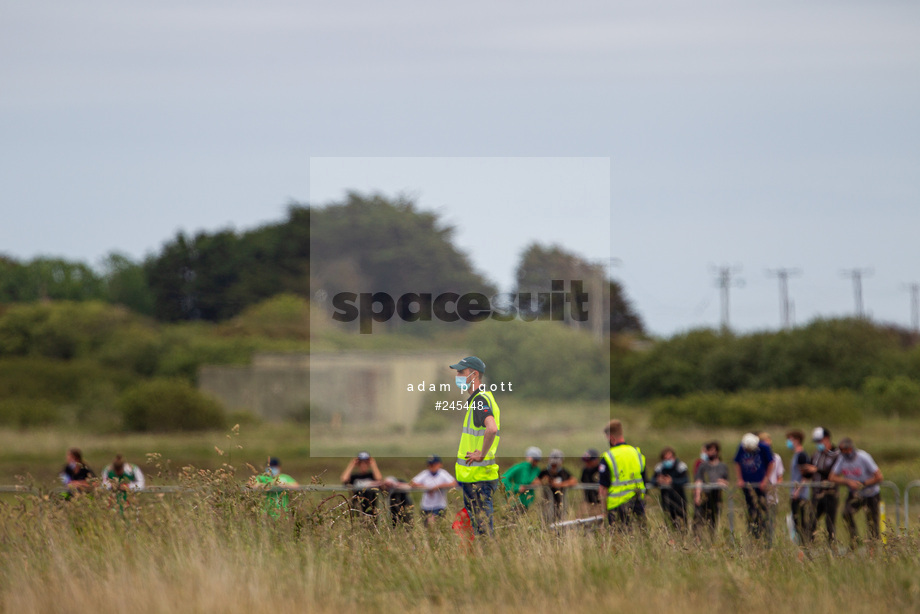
[[856, 470]]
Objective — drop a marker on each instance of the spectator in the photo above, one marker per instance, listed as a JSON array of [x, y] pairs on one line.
[[276, 501], [856, 470], [520, 479], [435, 480], [622, 480], [714, 474], [76, 475], [754, 462], [365, 479], [773, 478], [799, 497], [699, 460], [398, 500], [590, 474], [555, 479], [122, 477], [824, 498], [671, 476]]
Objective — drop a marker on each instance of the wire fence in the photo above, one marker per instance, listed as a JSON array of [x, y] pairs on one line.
[[559, 513]]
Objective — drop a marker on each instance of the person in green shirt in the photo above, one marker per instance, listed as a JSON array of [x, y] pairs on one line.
[[276, 501], [523, 475]]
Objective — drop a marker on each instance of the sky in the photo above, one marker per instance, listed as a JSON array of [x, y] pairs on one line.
[[765, 136]]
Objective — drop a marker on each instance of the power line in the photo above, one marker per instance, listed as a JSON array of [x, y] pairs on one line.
[[856, 275], [783, 276], [725, 280]]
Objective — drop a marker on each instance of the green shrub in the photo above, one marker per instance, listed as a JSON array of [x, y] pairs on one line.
[[25, 412], [897, 396], [757, 409], [62, 330], [166, 405], [57, 381], [543, 359]]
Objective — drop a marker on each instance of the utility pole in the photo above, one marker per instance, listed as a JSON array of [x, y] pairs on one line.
[[914, 289], [856, 275], [783, 276], [725, 280]]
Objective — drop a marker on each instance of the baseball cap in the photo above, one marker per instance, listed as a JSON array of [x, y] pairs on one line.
[[470, 362], [533, 452], [364, 456], [820, 433], [590, 454], [556, 457], [274, 462], [434, 458]]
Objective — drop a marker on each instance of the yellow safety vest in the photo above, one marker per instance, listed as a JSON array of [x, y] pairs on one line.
[[472, 439], [625, 464]]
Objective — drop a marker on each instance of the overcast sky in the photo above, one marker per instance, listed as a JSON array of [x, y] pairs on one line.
[[784, 134]]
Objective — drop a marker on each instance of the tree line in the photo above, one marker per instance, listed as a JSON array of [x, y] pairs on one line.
[[365, 241]]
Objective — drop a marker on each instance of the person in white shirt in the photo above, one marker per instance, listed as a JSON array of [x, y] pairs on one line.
[[435, 480]]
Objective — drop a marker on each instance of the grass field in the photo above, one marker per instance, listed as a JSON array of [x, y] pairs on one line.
[[213, 550]]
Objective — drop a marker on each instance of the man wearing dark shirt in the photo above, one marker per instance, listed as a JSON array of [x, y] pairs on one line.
[[754, 462], [363, 475], [590, 474], [824, 499], [555, 478]]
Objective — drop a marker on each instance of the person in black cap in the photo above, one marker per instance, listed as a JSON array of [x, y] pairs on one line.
[[824, 499], [435, 480], [590, 474], [476, 467], [365, 478]]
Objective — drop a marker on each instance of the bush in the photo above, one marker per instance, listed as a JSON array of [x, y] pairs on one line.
[[543, 359], [830, 354], [168, 405], [57, 381], [758, 409], [24, 412], [897, 396]]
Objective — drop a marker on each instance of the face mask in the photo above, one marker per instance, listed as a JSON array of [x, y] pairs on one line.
[[668, 463], [821, 447], [850, 455], [704, 456], [789, 444], [461, 383], [713, 457], [276, 471]]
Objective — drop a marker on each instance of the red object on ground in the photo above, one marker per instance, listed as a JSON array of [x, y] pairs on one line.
[[463, 525]]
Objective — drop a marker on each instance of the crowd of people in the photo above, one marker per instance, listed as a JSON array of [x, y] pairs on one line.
[[691, 495], [615, 482], [814, 481]]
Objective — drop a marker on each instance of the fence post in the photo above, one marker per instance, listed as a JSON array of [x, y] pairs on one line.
[[897, 502], [914, 484]]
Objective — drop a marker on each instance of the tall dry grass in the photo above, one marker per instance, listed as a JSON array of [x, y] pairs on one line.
[[214, 550]]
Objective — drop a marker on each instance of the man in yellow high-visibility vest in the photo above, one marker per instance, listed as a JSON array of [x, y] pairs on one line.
[[622, 479], [477, 468]]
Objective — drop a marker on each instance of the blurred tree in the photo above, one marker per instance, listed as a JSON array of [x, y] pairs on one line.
[[540, 265], [372, 243], [48, 278], [126, 283]]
